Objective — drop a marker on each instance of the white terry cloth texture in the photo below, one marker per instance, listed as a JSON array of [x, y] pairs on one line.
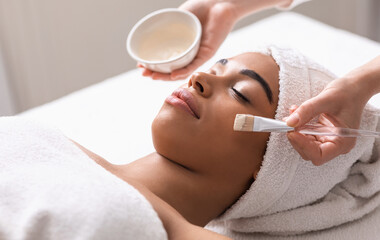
[[291, 196], [50, 189]]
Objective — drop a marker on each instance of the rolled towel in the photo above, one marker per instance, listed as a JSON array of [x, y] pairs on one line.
[[292, 196]]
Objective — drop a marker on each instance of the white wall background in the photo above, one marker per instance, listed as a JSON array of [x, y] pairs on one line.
[[6, 100], [54, 47]]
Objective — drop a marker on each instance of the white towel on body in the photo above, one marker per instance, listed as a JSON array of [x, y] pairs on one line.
[[292, 196], [50, 189]]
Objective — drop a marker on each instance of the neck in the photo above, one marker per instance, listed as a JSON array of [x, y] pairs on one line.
[[197, 197]]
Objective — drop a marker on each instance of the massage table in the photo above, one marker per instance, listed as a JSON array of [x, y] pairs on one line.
[[113, 118]]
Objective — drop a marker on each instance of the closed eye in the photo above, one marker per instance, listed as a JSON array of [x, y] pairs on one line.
[[241, 96]]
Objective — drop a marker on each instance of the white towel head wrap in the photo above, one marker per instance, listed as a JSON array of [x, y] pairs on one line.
[[291, 195]]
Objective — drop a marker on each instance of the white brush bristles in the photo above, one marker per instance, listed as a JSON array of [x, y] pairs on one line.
[[244, 122]]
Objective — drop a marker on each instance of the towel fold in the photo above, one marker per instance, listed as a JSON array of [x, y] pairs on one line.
[[292, 196], [50, 189]]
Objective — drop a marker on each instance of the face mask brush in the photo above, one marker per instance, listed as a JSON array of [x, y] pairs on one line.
[[250, 123]]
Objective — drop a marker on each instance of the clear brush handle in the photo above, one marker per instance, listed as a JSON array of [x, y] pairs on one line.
[[322, 130]]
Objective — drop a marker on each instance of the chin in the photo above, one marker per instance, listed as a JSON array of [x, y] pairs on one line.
[[166, 133], [172, 138], [157, 125]]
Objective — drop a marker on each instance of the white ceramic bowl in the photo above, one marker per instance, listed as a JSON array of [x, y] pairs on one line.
[[165, 40]]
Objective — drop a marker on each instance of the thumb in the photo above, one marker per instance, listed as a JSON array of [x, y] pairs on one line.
[[186, 71], [307, 111]]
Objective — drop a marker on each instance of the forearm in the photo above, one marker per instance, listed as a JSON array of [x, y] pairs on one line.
[[243, 8], [366, 78]]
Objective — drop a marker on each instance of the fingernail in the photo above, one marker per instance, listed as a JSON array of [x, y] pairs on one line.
[[293, 120]]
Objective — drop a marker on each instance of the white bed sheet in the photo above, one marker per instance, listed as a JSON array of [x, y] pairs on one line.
[[113, 118]]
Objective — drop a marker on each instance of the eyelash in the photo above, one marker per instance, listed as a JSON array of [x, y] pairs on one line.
[[241, 96]]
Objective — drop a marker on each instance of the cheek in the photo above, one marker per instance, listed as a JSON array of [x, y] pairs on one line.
[[195, 144], [210, 143], [239, 149], [226, 147], [236, 149]]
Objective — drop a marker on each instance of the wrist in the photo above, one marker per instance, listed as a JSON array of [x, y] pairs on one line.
[[360, 85], [358, 89], [243, 8], [231, 10], [366, 79]]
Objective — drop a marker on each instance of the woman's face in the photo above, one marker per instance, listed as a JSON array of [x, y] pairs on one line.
[[194, 127]]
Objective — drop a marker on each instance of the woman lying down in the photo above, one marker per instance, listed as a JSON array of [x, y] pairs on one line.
[[240, 184]]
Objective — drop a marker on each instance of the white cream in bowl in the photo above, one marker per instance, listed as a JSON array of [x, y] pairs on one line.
[[165, 40]]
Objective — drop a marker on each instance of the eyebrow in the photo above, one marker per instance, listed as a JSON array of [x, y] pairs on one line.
[[222, 61], [252, 74]]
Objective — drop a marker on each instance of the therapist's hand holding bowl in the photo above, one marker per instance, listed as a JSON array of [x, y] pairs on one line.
[[165, 40], [217, 18]]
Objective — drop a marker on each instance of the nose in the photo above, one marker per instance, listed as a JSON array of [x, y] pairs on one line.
[[200, 82]]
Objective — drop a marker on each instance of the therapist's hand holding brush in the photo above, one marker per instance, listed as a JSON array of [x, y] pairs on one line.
[[340, 104], [217, 18]]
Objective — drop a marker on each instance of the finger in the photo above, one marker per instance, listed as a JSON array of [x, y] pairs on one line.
[[179, 73], [311, 149], [183, 72], [305, 145], [330, 122], [205, 52], [318, 149], [154, 75], [146, 72], [186, 71], [328, 151], [344, 144], [160, 76], [307, 111], [292, 108]]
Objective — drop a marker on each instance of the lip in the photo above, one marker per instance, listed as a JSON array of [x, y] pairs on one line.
[[184, 99]]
